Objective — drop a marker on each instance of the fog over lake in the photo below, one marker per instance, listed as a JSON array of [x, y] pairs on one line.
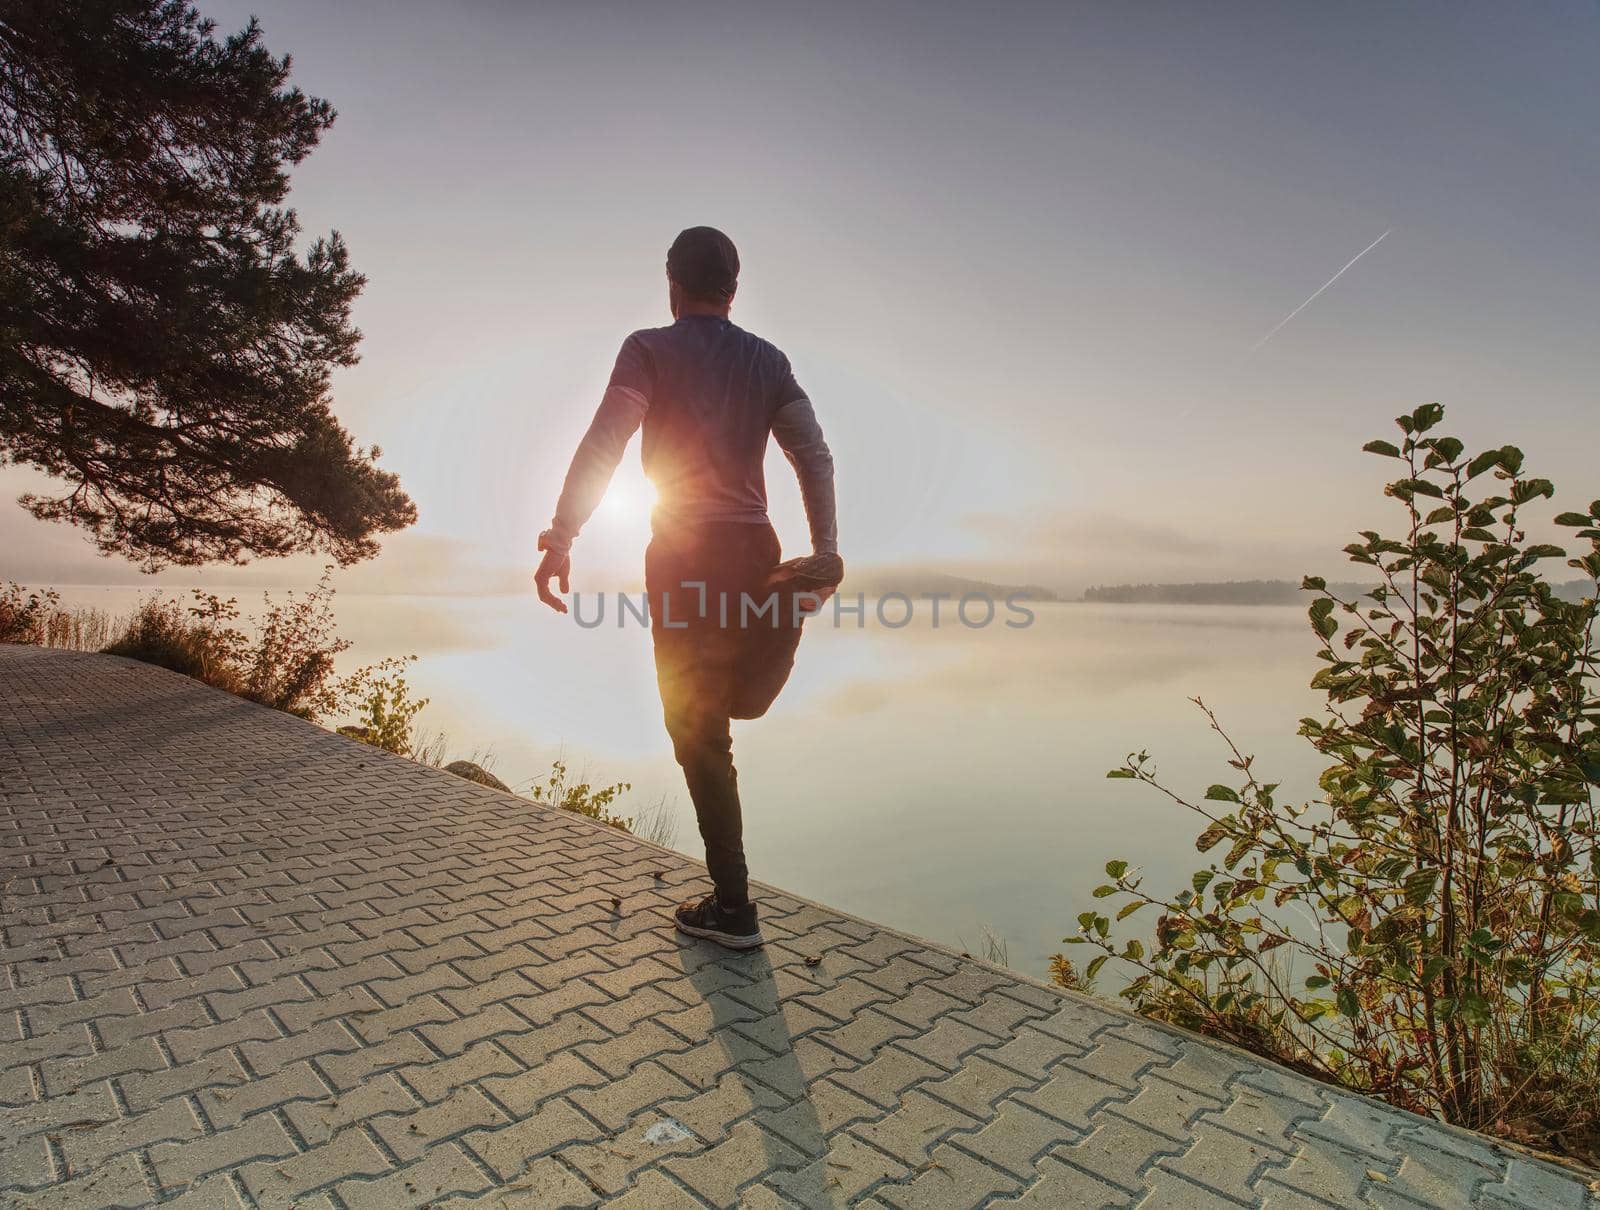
[[941, 780]]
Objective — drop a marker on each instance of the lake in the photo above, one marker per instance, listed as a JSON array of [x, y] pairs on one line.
[[942, 780]]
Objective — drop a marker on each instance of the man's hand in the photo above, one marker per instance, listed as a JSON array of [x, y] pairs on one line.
[[816, 599], [812, 578], [556, 565]]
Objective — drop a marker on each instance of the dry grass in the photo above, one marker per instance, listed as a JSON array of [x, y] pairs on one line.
[[38, 619]]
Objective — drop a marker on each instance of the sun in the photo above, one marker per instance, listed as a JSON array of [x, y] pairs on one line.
[[628, 498]]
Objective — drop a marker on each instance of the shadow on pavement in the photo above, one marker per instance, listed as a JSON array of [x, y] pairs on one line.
[[748, 1021]]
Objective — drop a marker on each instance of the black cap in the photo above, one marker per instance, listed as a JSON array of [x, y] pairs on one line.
[[705, 263]]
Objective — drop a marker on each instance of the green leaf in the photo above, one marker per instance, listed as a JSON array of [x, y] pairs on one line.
[[1588, 923], [1317, 583], [1321, 617], [1116, 869], [1544, 550], [1419, 886], [1100, 892], [1202, 879], [1425, 417], [1420, 487], [1387, 448], [1577, 519], [1210, 837], [1349, 1006], [1473, 1009], [1221, 794], [1484, 461], [1093, 969], [1530, 489], [1129, 909], [1115, 773], [1134, 951]]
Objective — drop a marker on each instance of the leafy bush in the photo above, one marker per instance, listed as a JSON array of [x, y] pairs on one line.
[[288, 665], [580, 797], [381, 699], [1429, 929], [22, 612]]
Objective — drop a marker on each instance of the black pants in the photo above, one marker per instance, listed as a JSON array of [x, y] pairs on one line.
[[705, 661]]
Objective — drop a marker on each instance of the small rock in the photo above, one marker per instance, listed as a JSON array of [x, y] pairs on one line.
[[477, 773]]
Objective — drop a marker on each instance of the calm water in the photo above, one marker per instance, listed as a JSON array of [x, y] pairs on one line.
[[941, 780]]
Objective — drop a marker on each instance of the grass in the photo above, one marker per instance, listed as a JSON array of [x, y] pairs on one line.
[[991, 947], [658, 823], [161, 633], [38, 619]]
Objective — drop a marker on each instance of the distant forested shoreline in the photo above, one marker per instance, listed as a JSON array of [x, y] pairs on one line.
[[1248, 592]]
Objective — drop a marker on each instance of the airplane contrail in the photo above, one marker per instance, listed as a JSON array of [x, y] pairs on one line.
[[1320, 289]]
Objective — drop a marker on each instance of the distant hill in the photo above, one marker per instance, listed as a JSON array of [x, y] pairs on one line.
[[919, 582], [1253, 592]]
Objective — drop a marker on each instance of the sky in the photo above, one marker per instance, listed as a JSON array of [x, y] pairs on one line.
[[1022, 257]]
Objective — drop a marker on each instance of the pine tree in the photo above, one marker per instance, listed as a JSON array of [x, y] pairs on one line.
[[165, 349]]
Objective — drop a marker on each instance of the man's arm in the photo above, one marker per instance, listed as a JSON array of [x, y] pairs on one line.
[[798, 434], [618, 417]]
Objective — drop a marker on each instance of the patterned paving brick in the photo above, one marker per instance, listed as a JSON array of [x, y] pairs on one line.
[[248, 963]]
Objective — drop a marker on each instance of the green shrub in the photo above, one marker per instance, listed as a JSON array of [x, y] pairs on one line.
[[384, 708], [581, 798], [289, 666], [1429, 929]]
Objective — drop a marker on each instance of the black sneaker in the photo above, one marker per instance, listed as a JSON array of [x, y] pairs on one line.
[[735, 928]]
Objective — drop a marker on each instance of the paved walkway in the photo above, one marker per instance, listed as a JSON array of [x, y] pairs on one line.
[[250, 963]]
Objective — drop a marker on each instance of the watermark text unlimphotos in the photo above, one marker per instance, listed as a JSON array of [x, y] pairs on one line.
[[744, 611]]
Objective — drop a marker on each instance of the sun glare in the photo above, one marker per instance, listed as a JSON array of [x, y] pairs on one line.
[[628, 500]]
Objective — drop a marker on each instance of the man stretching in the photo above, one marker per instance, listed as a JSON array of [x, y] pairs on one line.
[[708, 394]]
